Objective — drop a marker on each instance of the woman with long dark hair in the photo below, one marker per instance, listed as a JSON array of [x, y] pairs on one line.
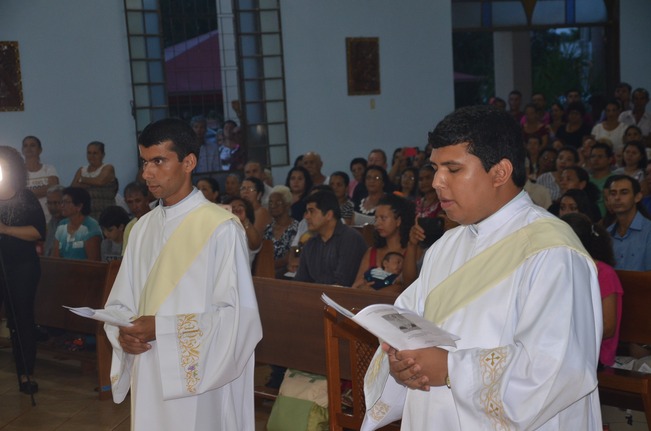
[[299, 182], [394, 217], [22, 223], [597, 242]]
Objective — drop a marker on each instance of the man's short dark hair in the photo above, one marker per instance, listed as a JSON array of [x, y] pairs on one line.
[[183, 138], [635, 184], [576, 106], [358, 161], [603, 146], [491, 135], [624, 85], [214, 184], [379, 151], [38, 141], [343, 175], [325, 201], [113, 216], [640, 90], [79, 196], [136, 187]]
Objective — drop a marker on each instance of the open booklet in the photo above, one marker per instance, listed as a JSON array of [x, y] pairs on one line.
[[401, 329], [112, 317]]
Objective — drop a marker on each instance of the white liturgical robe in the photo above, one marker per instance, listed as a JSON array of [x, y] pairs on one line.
[[528, 349], [198, 374]]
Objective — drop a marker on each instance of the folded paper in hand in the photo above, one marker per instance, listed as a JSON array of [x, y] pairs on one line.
[[112, 317], [400, 328]]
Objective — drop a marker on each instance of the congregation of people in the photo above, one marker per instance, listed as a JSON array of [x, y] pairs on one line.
[[368, 225]]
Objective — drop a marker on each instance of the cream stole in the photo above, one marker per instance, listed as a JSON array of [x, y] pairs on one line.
[[496, 263], [182, 248], [474, 278]]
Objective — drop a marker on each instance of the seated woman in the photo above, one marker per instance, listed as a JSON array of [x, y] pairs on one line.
[[596, 241], [245, 213], [283, 227], [635, 162], [394, 218], [78, 236], [251, 191], [567, 156], [210, 188], [577, 178], [377, 185], [232, 186], [533, 126], [299, 182], [339, 183], [408, 183], [427, 204], [98, 178], [577, 201]]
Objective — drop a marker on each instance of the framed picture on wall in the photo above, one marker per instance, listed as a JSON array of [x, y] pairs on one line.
[[11, 87], [363, 63]]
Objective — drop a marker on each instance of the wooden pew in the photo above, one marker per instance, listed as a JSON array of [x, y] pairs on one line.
[[292, 323], [77, 283], [622, 388]]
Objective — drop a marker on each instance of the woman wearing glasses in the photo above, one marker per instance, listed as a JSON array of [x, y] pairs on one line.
[[252, 190], [377, 184], [78, 235]]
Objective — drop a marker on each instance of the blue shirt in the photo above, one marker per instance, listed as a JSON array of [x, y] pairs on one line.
[[73, 246], [633, 250]]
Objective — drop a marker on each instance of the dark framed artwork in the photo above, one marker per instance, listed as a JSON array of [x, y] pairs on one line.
[[363, 63], [11, 87]]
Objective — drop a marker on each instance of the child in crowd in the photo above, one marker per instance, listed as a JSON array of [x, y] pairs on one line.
[[385, 276], [113, 220]]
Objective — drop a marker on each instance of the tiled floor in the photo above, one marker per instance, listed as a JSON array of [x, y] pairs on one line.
[[66, 400]]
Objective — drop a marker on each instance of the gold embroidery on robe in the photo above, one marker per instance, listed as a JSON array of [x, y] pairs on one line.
[[492, 363], [189, 337], [379, 410]]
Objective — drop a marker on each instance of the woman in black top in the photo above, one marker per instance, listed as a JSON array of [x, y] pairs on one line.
[[22, 223]]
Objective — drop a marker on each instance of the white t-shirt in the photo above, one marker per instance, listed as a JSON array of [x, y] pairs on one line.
[[40, 178]]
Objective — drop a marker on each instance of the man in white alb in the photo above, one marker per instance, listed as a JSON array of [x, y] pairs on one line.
[[185, 280], [513, 283]]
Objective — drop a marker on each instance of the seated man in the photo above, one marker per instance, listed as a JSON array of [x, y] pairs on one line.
[[631, 231], [332, 256], [313, 163]]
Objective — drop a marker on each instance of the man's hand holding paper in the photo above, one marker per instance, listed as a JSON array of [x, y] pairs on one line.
[[135, 339]]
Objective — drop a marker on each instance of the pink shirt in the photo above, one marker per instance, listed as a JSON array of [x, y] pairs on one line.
[[609, 284]]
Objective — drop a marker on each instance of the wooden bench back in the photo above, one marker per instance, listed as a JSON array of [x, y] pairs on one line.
[[292, 320], [264, 263], [75, 283], [635, 325]]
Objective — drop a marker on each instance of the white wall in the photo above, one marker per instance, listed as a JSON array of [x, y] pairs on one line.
[[76, 83], [635, 38], [415, 76]]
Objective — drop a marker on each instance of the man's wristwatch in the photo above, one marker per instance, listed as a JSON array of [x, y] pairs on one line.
[[447, 382]]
